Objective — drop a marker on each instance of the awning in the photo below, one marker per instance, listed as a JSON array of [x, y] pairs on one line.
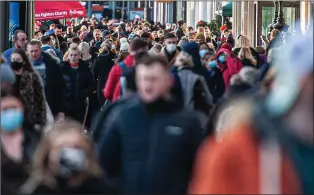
[[53, 10], [227, 10]]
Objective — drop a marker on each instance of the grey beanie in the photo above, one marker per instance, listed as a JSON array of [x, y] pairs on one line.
[[6, 74]]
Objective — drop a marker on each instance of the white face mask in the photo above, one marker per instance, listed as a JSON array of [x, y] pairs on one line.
[[171, 48], [168, 27], [113, 47]]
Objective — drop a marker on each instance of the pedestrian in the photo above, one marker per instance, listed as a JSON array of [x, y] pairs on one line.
[[20, 41], [144, 156], [170, 50], [216, 84], [29, 89], [18, 141], [65, 163], [79, 85], [247, 58], [112, 90], [51, 77]]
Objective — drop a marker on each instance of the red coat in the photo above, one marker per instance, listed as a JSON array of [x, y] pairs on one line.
[[112, 88], [231, 67]]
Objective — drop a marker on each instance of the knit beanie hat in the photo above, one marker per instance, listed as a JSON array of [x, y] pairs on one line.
[[124, 45]]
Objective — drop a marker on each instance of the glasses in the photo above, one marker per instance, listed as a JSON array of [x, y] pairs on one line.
[[174, 42]]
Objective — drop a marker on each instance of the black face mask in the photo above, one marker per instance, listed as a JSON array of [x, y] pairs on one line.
[[16, 65]]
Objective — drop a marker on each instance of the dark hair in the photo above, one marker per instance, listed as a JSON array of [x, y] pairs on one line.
[[226, 30], [137, 44], [76, 40], [58, 26], [157, 39], [93, 50], [169, 36], [145, 35], [64, 46], [27, 65], [260, 50], [142, 58], [45, 39], [204, 43], [16, 32], [180, 22]]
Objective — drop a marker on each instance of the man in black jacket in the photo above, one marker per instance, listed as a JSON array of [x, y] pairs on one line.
[[151, 143], [50, 72]]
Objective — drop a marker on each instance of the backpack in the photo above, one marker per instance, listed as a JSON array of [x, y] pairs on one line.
[[123, 81]]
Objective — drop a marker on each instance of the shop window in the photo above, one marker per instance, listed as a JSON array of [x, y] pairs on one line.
[[268, 14]]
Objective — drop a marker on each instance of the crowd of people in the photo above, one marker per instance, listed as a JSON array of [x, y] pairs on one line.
[[113, 107]]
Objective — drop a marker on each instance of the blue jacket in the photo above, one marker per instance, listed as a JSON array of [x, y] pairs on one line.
[[150, 152], [7, 54], [58, 52]]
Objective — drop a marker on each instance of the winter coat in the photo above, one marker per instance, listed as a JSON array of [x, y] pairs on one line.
[[79, 85], [13, 174], [230, 67], [170, 57], [287, 168], [101, 69], [112, 88], [155, 155], [196, 94], [216, 84], [28, 86], [54, 84]]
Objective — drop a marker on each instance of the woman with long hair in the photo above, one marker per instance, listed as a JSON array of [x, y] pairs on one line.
[[65, 163], [29, 87], [84, 47], [247, 58]]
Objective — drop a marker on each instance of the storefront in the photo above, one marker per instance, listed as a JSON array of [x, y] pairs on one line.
[[291, 11]]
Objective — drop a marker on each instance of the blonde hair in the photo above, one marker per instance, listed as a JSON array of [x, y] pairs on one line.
[[243, 41], [75, 47], [41, 173], [245, 53], [97, 30], [200, 30], [84, 47]]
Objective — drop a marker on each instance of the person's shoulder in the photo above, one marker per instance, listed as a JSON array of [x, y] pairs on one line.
[[8, 52], [48, 58]]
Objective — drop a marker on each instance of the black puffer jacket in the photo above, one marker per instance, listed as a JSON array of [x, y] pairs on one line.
[[155, 155], [79, 85]]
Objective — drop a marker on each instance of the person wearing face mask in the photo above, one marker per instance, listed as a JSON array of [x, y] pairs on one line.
[[29, 88], [228, 63], [170, 50], [79, 85], [65, 163], [18, 140], [216, 84]]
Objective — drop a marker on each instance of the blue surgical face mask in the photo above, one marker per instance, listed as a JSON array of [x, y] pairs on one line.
[[222, 58], [11, 119], [212, 64], [203, 52]]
